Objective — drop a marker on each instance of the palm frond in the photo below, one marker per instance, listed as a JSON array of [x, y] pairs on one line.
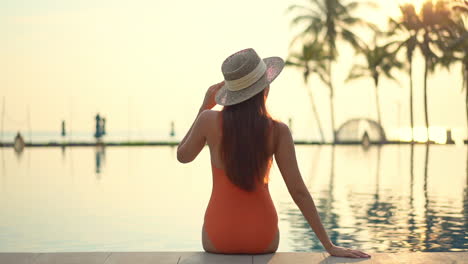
[[319, 4], [351, 38], [289, 63], [305, 9], [315, 24], [354, 5], [354, 76], [304, 18]]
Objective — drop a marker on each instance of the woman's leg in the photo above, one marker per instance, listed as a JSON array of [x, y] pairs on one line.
[[207, 245]]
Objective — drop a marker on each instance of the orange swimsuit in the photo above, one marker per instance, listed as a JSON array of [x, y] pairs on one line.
[[238, 221]]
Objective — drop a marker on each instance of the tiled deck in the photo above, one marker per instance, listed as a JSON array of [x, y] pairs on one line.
[[201, 257]]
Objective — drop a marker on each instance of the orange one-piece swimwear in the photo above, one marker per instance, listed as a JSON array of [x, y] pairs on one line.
[[240, 221]]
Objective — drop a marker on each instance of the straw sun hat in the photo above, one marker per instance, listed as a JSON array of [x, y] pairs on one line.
[[245, 75]]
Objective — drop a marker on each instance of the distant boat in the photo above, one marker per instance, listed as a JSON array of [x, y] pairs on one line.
[[19, 143]]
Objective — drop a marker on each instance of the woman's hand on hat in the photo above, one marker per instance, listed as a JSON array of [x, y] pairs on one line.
[[209, 101], [346, 252]]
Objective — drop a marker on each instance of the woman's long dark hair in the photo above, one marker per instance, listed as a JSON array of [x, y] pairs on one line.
[[244, 143]]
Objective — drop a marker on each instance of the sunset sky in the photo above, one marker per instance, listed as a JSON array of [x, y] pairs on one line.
[[143, 64]]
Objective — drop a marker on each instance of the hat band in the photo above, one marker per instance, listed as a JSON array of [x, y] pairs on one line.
[[247, 80]]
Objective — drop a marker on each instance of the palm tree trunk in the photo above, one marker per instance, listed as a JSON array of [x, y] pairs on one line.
[[377, 101], [314, 110], [332, 110], [411, 99], [332, 107], [466, 95], [426, 114]]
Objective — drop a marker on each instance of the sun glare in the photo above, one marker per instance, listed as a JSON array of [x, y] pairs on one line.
[[437, 134]]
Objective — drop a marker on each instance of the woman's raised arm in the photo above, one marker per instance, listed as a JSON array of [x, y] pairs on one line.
[[194, 141], [285, 157]]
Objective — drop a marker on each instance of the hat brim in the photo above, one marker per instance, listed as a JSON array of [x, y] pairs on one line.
[[226, 97]]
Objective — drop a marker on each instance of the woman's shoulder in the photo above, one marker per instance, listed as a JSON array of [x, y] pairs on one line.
[[209, 115], [209, 118], [280, 127]]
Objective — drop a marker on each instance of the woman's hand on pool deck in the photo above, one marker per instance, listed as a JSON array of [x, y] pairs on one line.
[[346, 252], [209, 101]]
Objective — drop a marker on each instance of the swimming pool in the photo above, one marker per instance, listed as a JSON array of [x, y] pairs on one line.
[[142, 199]]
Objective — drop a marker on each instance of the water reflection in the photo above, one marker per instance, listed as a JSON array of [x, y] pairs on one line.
[[387, 219], [100, 155], [428, 215], [63, 148], [3, 170], [411, 215], [384, 199], [444, 230], [302, 236], [19, 153]]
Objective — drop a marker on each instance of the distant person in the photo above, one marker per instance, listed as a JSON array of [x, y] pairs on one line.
[[100, 127], [242, 139]]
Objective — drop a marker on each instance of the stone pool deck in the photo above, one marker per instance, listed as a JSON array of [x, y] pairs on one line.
[[201, 257]]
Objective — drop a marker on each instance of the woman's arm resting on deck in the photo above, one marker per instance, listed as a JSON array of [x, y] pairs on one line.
[[285, 157], [194, 141]]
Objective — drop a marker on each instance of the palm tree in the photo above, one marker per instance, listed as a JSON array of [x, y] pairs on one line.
[[454, 44], [430, 31], [327, 21], [408, 25], [460, 46], [379, 60], [436, 25], [312, 59]]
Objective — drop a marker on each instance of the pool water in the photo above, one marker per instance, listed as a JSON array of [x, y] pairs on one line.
[[142, 199]]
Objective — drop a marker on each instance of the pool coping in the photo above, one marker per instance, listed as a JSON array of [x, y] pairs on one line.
[[207, 258]]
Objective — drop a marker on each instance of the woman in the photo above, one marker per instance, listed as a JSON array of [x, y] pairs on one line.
[[243, 138]]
